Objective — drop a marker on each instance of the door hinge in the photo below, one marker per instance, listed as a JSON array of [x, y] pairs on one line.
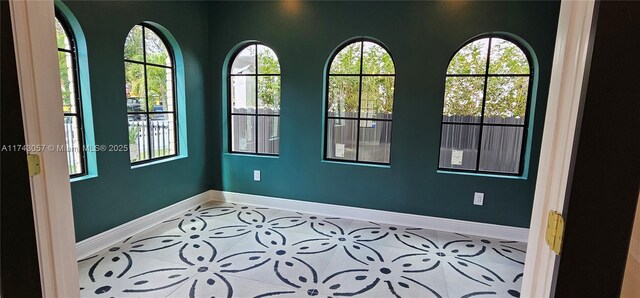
[[555, 231], [33, 162]]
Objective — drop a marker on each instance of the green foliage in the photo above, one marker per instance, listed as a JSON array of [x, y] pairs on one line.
[[506, 96], [133, 44], [377, 91], [66, 80], [133, 134], [158, 78], [269, 92], [347, 61], [463, 96], [377, 95], [343, 94], [268, 86], [471, 59], [65, 66]]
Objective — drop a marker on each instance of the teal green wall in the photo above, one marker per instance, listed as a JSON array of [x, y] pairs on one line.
[[120, 194], [422, 36]]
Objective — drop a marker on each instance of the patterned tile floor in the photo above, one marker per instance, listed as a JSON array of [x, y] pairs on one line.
[[229, 250]]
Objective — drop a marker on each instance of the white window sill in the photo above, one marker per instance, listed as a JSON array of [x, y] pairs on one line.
[[160, 161]]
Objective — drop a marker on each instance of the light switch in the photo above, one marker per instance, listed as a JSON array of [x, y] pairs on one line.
[[256, 175]]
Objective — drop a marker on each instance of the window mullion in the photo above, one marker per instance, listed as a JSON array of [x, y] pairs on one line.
[[359, 102], [255, 138], [484, 100], [146, 94]]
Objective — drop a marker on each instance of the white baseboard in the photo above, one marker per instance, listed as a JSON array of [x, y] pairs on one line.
[[89, 246], [396, 218]]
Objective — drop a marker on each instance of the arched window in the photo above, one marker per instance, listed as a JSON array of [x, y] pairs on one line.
[[486, 104], [254, 101], [71, 97], [359, 102], [150, 95]]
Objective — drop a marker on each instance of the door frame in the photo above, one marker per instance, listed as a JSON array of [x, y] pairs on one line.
[[39, 81], [569, 76], [51, 190]]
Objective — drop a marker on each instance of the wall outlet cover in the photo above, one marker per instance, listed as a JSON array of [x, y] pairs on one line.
[[478, 198], [256, 175]]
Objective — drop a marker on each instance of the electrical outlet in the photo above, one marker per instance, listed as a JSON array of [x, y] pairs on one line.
[[478, 198], [256, 175]]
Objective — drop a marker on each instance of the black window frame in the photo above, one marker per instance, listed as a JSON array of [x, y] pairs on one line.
[[147, 113], [256, 115], [64, 22], [328, 75], [526, 121]]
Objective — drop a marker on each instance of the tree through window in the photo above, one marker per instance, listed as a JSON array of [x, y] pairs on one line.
[[360, 91], [150, 95], [486, 102]]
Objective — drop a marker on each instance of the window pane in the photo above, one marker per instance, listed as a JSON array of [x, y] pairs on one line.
[[376, 60], [507, 58], [343, 96], [459, 146], [506, 100], [269, 95], [375, 141], [463, 99], [243, 94], [471, 59], [377, 97], [347, 61], [268, 134], [501, 149], [61, 36], [267, 61], [162, 130], [160, 89], [133, 44], [138, 138], [67, 83], [135, 87], [243, 133], [155, 49], [245, 61], [73, 144], [341, 139]]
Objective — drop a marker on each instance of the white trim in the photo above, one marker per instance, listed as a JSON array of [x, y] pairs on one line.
[[396, 218], [568, 79], [39, 81], [89, 246]]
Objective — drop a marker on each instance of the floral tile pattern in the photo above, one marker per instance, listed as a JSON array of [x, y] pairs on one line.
[[230, 250]]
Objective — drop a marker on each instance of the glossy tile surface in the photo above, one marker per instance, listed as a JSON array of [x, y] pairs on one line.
[[230, 250]]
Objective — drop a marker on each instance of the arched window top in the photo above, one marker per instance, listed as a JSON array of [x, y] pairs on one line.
[[246, 61], [489, 55], [62, 36], [362, 56], [145, 44]]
